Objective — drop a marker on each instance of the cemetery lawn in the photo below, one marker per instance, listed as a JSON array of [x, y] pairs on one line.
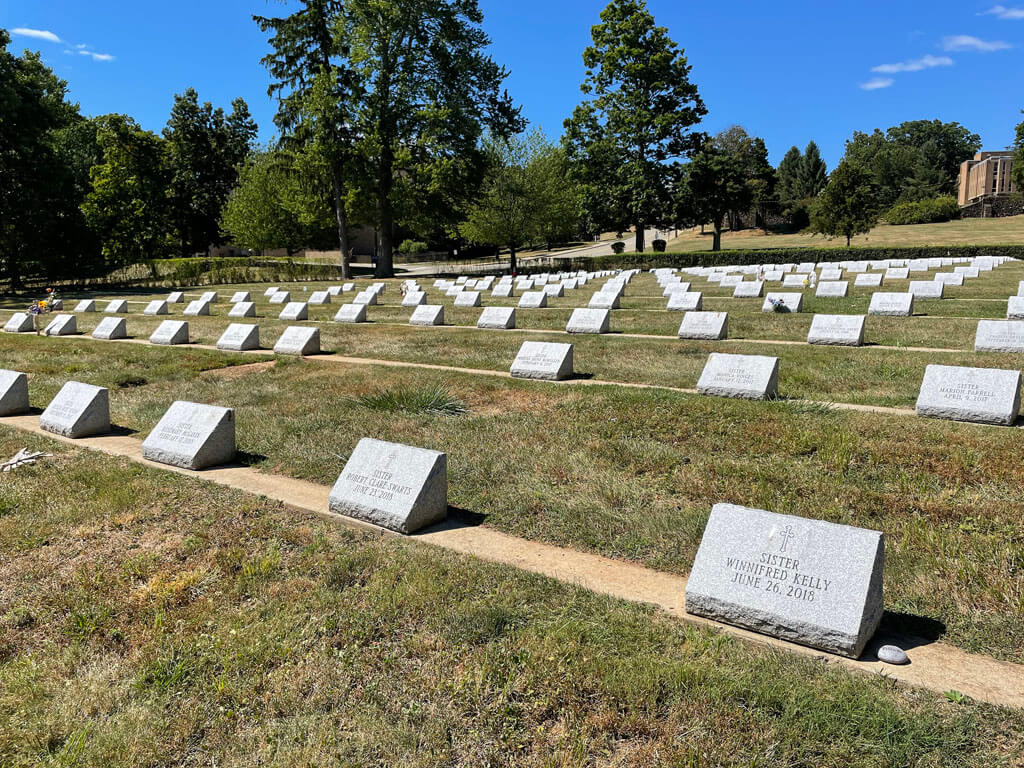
[[151, 619], [628, 473], [1001, 231]]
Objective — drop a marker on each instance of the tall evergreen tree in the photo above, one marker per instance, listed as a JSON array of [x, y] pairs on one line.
[[714, 183], [204, 150], [813, 174], [428, 90], [789, 178], [621, 143], [1018, 158], [317, 94]]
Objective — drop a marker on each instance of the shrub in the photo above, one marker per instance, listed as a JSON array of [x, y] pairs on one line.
[[433, 401], [659, 246], [923, 211], [618, 247], [410, 247]]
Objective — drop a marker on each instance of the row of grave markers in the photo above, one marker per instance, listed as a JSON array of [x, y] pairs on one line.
[[810, 582]]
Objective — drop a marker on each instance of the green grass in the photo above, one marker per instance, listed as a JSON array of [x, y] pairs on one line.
[[434, 400], [1003, 231], [147, 619]]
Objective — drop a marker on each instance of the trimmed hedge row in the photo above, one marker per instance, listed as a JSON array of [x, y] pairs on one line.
[[204, 271], [651, 260]]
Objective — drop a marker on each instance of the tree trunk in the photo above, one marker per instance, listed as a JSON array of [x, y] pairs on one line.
[[385, 214], [512, 258], [639, 236], [848, 238], [716, 244], [339, 210]]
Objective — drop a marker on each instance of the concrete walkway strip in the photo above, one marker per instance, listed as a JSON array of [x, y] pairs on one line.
[[935, 665]]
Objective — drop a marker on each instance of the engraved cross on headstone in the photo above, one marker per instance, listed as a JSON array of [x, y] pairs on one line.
[[786, 536]]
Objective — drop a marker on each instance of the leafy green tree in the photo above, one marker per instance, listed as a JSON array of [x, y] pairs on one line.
[[621, 143], [45, 150], [256, 215], [525, 196], [848, 205], [1018, 158], [714, 183], [127, 206], [204, 150], [752, 156], [428, 90], [318, 92], [915, 160]]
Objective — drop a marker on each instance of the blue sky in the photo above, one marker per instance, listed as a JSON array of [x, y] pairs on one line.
[[789, 71]]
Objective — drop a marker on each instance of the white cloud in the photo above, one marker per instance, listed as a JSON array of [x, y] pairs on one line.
[[38, 34], [969, 43], [1015, 14], [97, 56], [877, 82], [914, 65]]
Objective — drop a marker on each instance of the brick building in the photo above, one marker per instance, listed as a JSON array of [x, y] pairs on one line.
[[985, 176]]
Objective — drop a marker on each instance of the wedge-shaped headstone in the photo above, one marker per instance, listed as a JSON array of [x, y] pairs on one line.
[[677, 287], [427, 314], [13, 393], [999, 336], [831, 274], [543, 360], [688, 301], [239, 296], [868, 280], [468, 299], [270, 291], [704, 325], [891, 304], [61, 325], [348, 287], [319, 298], [116, 307], [589, 321], [968, 272], [896, 273], [502, 291], [280, 297], [837, 330], [795, 281], [832, 289], [750, 377], [366, 298], [111, 328], [243, 309], [395, 486], [334, 290], [170, 332], [949, 278], [192, 436], [926, 289], [210, 296], [414, 299], [156, 307], [749, 289], [554, 290], [986, 395], [351, 313], [1015, 308], [791, 302], [295, 310], [197, 308], [175, 297], [1020, 288], [497, 318], [807, 581], [85, 305], [602, 300], [298, 340], [20, 322], [533, 300], [78, 410], [240, 337]]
